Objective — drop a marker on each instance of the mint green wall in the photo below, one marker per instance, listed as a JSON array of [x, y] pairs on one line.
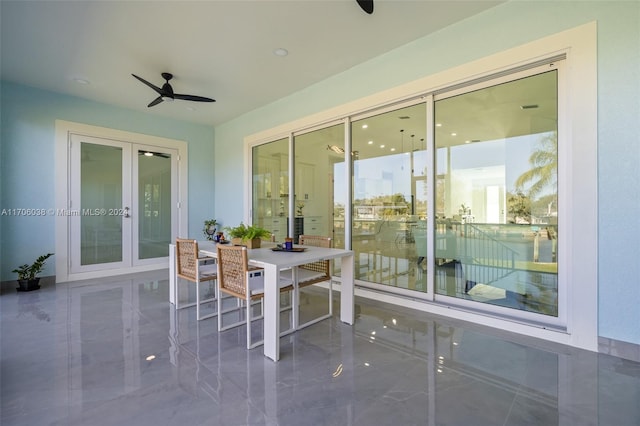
[[27, 169], [498, 29]]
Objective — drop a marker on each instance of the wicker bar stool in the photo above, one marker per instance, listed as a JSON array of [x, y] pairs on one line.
[[246, 283], [190, 267]]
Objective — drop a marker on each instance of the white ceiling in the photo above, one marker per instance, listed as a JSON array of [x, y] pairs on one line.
[[217, 49]]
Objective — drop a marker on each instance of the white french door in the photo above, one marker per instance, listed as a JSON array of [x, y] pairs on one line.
[[122, 204]]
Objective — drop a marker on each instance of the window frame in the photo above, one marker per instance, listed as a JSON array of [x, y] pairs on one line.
[[560, 321], [577, 158]]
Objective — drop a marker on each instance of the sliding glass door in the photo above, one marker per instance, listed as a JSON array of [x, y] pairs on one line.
[[389, 198], [453, 196], [496, 229], [319, 198], [270, 193]]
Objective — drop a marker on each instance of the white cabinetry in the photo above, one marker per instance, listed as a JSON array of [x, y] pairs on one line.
[[315, 225], [277, 226], [305, 180]]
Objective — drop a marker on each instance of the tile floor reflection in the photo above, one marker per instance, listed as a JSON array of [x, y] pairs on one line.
[[114, 352]]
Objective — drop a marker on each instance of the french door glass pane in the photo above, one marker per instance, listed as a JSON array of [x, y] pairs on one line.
[[154, 204], [101, 201], [497, 196], [389, 198], [271, 187]]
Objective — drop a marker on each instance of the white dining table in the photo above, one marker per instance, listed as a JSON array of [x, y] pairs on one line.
[[275, 261]]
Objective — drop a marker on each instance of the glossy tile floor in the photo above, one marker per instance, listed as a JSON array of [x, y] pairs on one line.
[[81, 354]]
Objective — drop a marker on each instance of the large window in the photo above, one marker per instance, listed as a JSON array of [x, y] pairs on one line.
[[320, 195], [270, 192], [389, 198], [496, 228], [509, 189], [471, 219]]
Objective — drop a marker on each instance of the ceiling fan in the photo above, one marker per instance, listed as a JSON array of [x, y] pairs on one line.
[[166, 92], [366, 5]]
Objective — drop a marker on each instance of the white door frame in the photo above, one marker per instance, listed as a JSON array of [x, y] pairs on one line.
[[64, 130]]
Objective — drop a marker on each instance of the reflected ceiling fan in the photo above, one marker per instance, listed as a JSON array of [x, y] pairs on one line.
[[166, 92], [366, 5], [153, 154]]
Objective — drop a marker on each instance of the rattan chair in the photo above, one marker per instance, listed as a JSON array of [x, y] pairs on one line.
[[312, 273], [190, 266], [246, 283]]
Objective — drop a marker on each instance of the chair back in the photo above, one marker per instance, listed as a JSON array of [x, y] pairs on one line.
[[187, 258], [321, 266], [233, 265]]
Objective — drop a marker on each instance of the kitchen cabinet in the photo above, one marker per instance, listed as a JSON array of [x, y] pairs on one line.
[[315, 225]]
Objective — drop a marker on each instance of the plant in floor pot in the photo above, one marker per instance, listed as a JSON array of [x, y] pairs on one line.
[[250, 236], [28, 279]]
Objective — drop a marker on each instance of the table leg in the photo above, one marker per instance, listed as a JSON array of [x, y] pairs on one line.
[[271, 312], [347, 290], [173, 294]]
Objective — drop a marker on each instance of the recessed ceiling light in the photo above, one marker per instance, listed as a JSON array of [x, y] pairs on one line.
[[454, 134], [364, 126], [393, 149], [370, 142], [381, 146], [438, 124], [280, 51]]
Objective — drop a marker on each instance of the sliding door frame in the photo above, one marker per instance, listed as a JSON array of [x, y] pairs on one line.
[[577, 183]]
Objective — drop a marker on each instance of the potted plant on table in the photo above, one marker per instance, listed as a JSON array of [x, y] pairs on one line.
[[28, 279], [250, 236]]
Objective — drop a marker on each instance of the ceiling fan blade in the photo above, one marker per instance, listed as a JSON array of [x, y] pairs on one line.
[[192, 98], [366, 5], [156, 101], [153, 86]]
